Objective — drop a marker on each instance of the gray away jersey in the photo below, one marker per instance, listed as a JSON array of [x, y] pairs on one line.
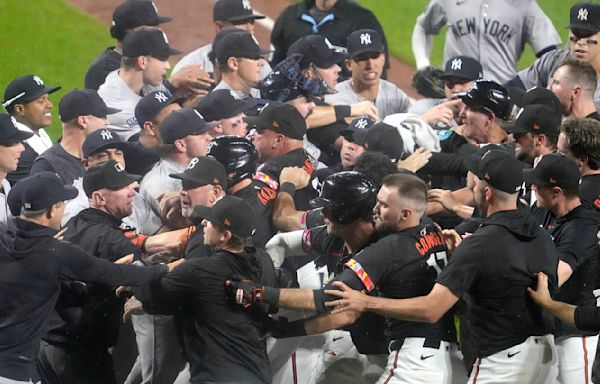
[[491, 31]]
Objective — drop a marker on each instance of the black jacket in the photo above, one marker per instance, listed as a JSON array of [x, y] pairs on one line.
[[32, 264]]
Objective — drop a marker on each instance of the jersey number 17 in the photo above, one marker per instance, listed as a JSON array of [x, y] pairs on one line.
[[438, 261]]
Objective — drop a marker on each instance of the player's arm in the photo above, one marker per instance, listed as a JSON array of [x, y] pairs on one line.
[[428, 24], [564, 272], [323, 115], [285, 216], [283, 245]]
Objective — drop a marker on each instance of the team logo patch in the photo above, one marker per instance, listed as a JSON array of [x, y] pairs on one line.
[[119, 167], [192, 163], [583, 14], [361, 124], [361, 273], [365, 38], [246, 5], [161, 97], [37, 80], [106, 135], [456, 65]]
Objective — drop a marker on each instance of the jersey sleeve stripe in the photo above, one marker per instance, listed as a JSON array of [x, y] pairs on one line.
[[361, 273]]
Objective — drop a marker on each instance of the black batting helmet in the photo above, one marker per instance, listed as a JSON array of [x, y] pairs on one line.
[[238, 156], [490, 96], [346, 197]]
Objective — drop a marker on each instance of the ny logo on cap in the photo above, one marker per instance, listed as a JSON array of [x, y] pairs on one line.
[[328, 43], [362, 123], [246, 5], [456, 65], [199, 115], [119, 167], [365, 38], [14, 121], [161, 97], [192, 163], [165, 37], [583, 14], [38, 80], [155, 9], [106, 135]]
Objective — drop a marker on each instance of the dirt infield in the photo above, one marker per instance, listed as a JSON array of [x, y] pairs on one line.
[[193, 27]]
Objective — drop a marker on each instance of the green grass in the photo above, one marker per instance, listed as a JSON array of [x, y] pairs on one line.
[[398, 19], [52, 39]]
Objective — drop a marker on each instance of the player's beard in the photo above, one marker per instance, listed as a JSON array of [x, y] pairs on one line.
[[384, 228]]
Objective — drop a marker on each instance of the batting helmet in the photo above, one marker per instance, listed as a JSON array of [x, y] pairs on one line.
[[238, 156], [490, 96], [346, 197]]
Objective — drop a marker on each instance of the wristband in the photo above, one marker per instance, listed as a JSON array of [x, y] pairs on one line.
[[342, 111], [270, 295], [288, 188]]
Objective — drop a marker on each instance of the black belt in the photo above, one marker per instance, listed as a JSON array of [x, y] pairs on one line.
[[395, 345]]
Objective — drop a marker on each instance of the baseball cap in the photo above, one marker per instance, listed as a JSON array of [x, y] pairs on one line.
[[316, 49], [222, 104], [496, 167], [535, 95], [536, 119], [53, 189], [134, 13], [212, 55], [364, 41], [109, 175], [554, 170], [386, 139], [489, 96], [355, 127], [230, 212], [102, 139], [238, 44], [281, 118], [203, 171], [585, 16], [25, 88], [181, 123], [148, 42], [234, 11], [151, 104], [83, 102], [464, 67], [9, 133]]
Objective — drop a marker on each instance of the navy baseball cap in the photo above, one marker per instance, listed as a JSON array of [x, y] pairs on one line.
[[230, 212], [9, 133], [110, 175], [222, 104], [25, 88], [212, 55], [181, 123], [238, 44], [585, 16], [135, 13], [203, 171], [554, 170], [355, 127], [496, 167], [463, 67], [281, 118], [537, 119], [41, 191], [364, 41], [234, 11], [318, 50], [83, 102], [102, 139], [148, 42], [151, 104], [384, 138]]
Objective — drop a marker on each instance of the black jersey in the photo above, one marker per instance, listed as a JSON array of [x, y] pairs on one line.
[[104, 64], [575, 237], [589, 191], [260, 197], [492, 269]]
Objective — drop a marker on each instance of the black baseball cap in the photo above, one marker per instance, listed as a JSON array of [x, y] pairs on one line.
[[148, 42], [281, 118], [109, 175], [386, 139], [496, 167], [234, 11], [25, 88], [203, 171], [83, 102], [537, 119], [9, 133], [585, 16], [490, 96], [463, 67], [238, 44], [364, 41], [355, 127], [535, 95], [135, 13], [554, 170], [151, 104], [230, 212], [318, 50], [222, 104], [41, 191], [181, 123], [212, 55], [102, 139]]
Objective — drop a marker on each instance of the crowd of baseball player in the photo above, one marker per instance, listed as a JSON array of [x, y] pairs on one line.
[[284, 214]]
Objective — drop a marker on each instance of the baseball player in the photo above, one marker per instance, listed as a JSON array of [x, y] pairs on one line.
[[491, 31]]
